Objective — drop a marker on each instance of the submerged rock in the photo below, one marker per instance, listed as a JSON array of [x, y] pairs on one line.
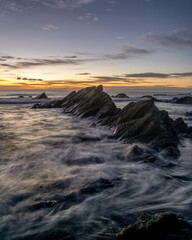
[[182, 100], [120, 95], [41, 96], [160, 226], [188, 113], [140, 154]]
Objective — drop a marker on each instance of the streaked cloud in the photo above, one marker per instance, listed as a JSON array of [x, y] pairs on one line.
[[83, 74], [49, 27], [88, 18], [129, 52], [159, 75], [178, 38]]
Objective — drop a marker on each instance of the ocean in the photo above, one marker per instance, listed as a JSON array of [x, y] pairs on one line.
[[60, 178]]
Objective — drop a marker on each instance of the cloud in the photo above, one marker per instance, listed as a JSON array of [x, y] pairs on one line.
[[89, 18], [45, 62], [29, 79], [66, 3], [129, 52], [83, 74], [159, 75], [49, 27], [179, 38]]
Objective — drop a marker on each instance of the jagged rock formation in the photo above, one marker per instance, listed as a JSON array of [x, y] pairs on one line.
[[160, 226], [182, 100], [141, 121], [144, 122], [87, 102], [41, 96], [120, 95]]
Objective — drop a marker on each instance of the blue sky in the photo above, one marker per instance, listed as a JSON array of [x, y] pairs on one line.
[[72, 43]]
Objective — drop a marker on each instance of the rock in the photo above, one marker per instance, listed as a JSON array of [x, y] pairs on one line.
[[140, 154], [120, 95], [159, 94], [160, 226], [182, 100], [91, 101], [151, 98], [21, 96], [181, 126], [87, 102], [41, 96], [144, 122], [188, 113]]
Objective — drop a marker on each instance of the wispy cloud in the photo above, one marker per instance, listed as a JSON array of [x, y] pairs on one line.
[[88, 18], [179, 38], [49, 27], [28, 63], [66, 3], [83, 74], [159, 75], [29, 79], [129, 52]]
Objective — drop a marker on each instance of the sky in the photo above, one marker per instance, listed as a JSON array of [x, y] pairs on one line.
[[69, 44]]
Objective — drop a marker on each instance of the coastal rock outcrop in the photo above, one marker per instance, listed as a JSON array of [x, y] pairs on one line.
[[160, 226], [120, 95], [182, 100], [144, 122], [41, 96], [87, 102], [137, 122]]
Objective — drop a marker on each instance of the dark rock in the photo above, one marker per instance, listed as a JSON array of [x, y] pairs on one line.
[[87, 102], [21, 96], [41, 96], [159, 94], [151, 98], [140, 154], [160, 226], [144, 122], [181, 126], [120, 95], [91, 101], [182, 100], [188, 113]]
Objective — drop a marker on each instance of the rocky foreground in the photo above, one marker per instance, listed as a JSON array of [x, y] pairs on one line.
[[137, 122], [160, 226]]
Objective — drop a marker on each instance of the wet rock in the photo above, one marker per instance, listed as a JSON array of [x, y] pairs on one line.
[[182, 100], [150, 97], [87, 102], [181, 126], [140, 154], [91, 101], [41, 96], [160, 226], [160, 94], [120, 95], [144, 122], [188, 113]]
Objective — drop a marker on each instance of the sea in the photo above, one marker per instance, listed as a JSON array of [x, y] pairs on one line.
[[62, 178]]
